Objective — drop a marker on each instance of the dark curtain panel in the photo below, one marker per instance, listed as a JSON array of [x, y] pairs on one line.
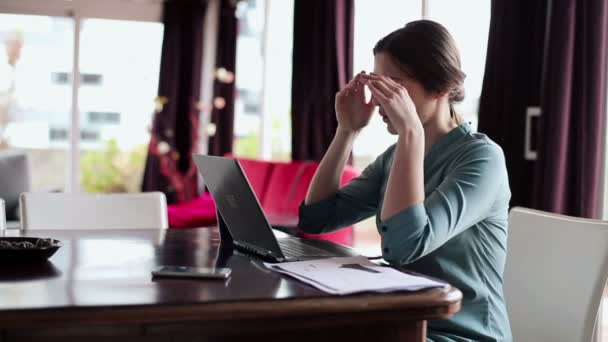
[[223, 87], [169, 167], [322, 64], [573, 103], [511, 83]]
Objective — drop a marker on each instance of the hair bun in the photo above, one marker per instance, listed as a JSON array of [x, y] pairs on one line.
[[456, 94]]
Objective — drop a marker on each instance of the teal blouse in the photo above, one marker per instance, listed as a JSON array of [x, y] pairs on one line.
[[459, 233]]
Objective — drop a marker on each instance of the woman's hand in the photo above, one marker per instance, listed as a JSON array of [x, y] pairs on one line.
[[396, 103], [352, 112]]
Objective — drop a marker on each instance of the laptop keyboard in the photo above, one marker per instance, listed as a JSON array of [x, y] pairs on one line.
[[295, 248]]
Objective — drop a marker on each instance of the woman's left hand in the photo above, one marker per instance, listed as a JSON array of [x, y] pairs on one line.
[[396, 103]]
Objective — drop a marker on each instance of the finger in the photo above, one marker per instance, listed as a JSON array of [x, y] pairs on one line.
[[396, 86], [377, 95], [351, 88], [355, 85], [351, 83], [371, 104], [387, 80], [373, 101], [359, 85], [357, 77], [386, 91]]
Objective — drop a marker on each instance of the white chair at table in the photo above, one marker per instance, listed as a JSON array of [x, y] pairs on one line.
[[555, 275], [46, 210]]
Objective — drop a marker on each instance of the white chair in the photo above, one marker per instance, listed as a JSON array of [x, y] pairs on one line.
[[47, 210], [555, 275]]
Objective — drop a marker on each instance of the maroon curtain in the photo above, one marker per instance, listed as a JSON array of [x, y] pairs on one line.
[[169, 167], [573, 109], [512, 82], [222, 116], [322, 64]]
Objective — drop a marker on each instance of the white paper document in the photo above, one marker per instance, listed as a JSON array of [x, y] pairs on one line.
[[351, 275]]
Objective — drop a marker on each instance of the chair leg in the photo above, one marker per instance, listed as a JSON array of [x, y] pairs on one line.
[[599, 322]]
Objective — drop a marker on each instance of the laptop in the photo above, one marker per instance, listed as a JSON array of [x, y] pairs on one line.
[[240, 212]]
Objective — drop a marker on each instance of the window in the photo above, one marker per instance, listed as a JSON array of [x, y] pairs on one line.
[[374, 20], [115, 97], [263, 79], [117, 91], [471, 36], [34, 107], [249, 72]]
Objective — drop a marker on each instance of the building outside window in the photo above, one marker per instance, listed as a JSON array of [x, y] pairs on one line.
[[116, 92]]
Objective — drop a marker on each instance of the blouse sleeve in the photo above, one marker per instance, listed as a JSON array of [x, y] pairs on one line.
[[463, 199], [352, 203]]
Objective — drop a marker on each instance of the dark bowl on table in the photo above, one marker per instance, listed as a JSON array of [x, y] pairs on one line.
[[27, 255]]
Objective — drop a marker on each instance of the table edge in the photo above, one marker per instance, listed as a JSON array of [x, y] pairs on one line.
[[430, 304]]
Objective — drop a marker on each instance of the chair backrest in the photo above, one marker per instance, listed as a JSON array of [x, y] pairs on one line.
[[555, 275], [93, 211], [14, 179]]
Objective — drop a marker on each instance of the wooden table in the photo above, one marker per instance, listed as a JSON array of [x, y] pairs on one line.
[[98, 287]]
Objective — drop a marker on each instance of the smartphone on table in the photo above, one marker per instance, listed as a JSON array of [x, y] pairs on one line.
[[191, 272]]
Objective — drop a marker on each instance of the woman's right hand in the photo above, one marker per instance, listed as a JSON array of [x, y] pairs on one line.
[[352, 112]]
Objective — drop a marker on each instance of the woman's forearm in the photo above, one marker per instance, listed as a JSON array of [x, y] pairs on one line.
[[326, 180], [405, 186]]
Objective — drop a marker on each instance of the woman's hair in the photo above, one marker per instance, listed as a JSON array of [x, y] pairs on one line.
[[424, 50]]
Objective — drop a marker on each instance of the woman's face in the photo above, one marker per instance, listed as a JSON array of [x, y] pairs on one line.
[[423, 100]]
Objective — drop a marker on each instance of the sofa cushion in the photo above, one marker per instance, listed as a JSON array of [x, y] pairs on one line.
[[281, 186], [197, 212], [258, 174]]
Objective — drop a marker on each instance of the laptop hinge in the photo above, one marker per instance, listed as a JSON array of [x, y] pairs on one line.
[[225, 236], [255, 250]]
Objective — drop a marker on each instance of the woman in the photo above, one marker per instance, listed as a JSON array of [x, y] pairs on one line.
[[440, 193]]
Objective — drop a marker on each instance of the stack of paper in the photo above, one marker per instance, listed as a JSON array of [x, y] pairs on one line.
[[350, 275]]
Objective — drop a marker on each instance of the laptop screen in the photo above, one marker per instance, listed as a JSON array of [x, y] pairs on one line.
[[236, 202]]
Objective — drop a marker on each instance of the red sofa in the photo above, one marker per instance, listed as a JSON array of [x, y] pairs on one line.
[[280, 187]]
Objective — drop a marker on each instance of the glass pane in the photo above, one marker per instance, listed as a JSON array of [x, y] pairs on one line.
[[35, 94], [249, 76], [277, 86], [116, 101], [373, 21], [471, 35]]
